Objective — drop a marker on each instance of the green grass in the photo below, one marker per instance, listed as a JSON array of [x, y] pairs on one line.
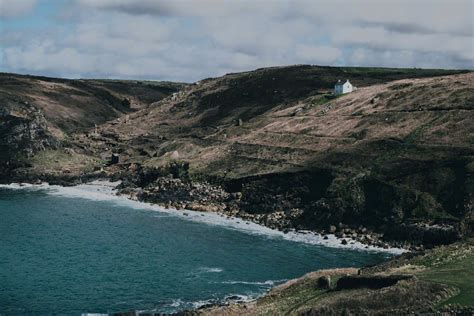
[[323, 100], [457, 273], [56, 160], [452, 265], [294, 299]]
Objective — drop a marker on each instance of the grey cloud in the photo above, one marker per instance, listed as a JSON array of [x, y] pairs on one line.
[[203, 8], [412, 28], [15, 8], [406, 28], [372, 57], [188, 40]]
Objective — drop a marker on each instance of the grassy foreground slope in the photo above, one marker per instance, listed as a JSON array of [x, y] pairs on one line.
[[439, 280]]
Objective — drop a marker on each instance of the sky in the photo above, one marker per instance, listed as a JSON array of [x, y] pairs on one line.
[[188, 40]]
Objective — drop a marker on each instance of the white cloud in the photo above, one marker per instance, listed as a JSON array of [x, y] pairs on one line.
[[14, 8]]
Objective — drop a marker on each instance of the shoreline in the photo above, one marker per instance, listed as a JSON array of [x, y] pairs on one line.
[[105, 190]]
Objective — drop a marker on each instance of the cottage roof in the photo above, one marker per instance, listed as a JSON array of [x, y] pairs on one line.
[[341, 82]]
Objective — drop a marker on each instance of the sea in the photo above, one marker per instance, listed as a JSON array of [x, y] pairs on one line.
[[84, 250]]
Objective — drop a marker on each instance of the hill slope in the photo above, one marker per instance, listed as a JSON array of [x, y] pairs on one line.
[[301, 127], [39, 112], [72, 105]]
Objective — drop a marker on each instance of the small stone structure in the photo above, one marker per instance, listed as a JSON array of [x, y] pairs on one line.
[[369, 282], [324, 282]]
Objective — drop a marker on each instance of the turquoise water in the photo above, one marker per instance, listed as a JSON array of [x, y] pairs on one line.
[[70, 255]]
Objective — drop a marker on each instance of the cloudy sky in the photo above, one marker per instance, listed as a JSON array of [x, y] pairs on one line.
[[188, 40]]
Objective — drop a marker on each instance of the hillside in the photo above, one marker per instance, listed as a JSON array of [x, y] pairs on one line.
[[283, 119], [394, 156], [39, 113], [273, 146], [72, 105]]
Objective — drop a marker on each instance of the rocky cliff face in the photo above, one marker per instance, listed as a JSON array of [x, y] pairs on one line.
[[24, 131]]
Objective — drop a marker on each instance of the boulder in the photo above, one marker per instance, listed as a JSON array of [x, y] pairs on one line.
[[114, 159]]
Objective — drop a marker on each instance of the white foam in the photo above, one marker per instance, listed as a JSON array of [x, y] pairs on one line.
[[267, 283], [210, 270], [201, 303], [104, 191], [18, 186], [241, 298], [177, 303]]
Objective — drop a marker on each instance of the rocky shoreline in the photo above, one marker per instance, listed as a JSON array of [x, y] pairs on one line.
[[252, 200], [170, 192], [214, 199], [175, 193]]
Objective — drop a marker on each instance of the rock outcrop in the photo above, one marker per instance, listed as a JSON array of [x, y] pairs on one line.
[[24, 131]]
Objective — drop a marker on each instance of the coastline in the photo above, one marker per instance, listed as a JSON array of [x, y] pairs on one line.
[[402, 263], [106, 190]]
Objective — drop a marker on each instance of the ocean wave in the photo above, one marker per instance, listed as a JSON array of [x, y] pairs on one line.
[[210, 270], [22, 186], [105, 191]]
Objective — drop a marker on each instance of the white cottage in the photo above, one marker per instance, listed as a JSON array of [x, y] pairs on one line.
[[342, 87]]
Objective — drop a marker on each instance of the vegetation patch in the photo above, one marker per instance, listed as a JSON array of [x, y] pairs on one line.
[[452, 265]]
